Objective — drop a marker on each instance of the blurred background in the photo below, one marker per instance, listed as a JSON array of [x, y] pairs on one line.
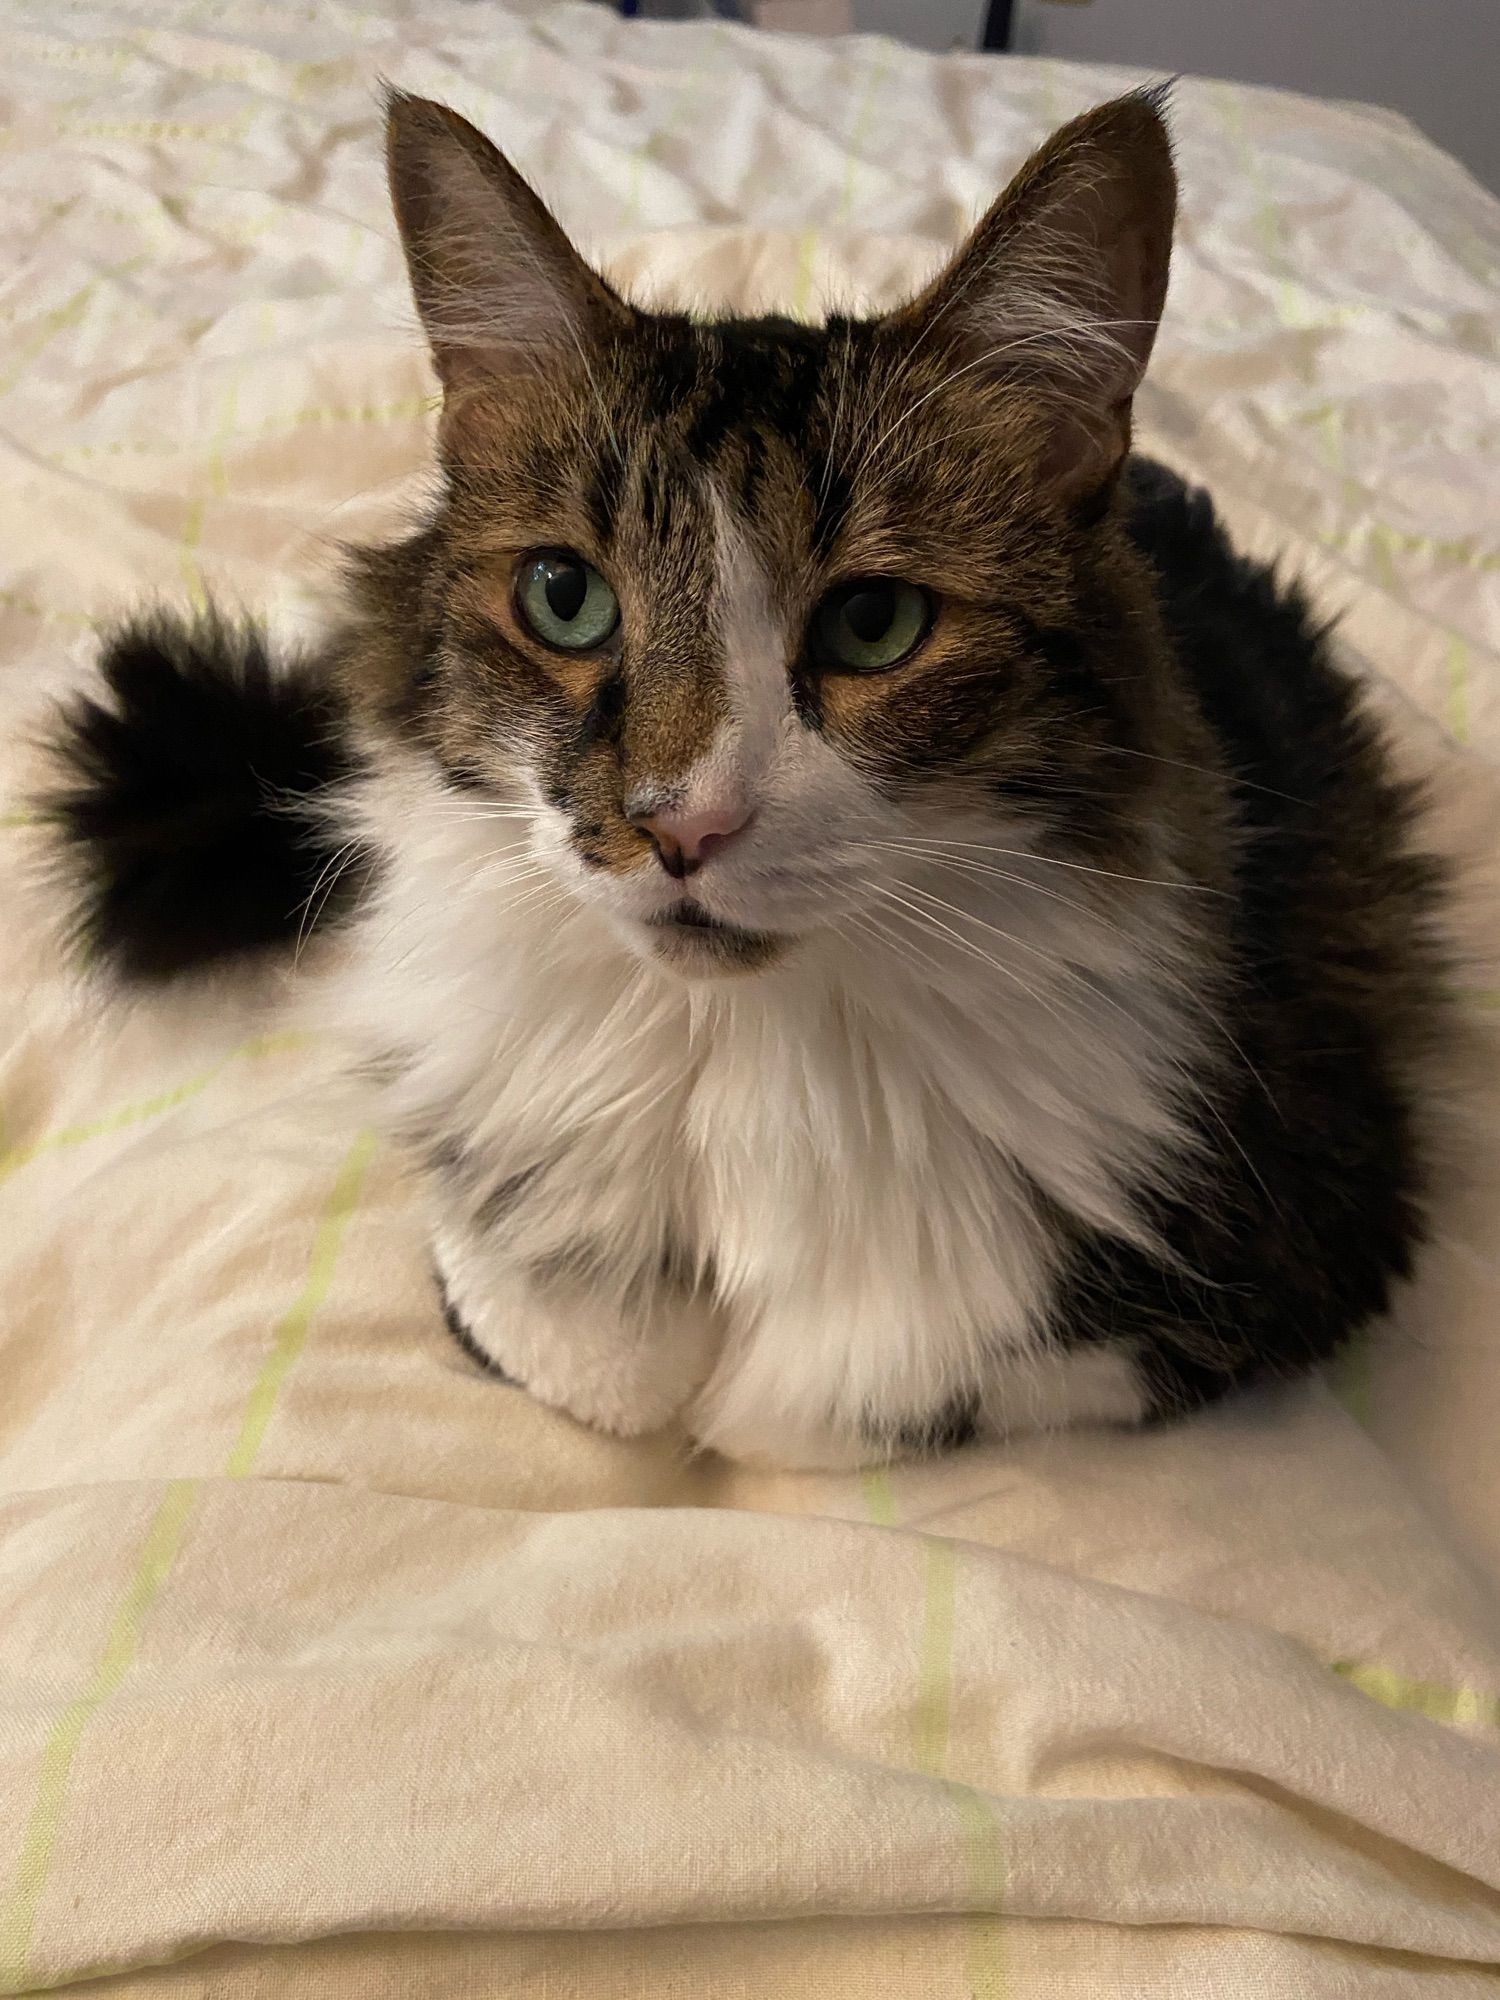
[[1437, 61]]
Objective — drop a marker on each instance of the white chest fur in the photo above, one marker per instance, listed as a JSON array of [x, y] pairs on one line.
[[842, 1150]]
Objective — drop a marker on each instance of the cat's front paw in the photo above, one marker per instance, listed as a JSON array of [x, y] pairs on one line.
[[743, 1413], [459, 1328], [768, 1439], [622, 1372], [776, 1448], [772, 1444]]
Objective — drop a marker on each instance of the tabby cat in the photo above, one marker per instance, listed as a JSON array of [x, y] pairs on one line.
[[872, 922]]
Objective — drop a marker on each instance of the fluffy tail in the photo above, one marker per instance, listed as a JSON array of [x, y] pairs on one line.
[[185, 795]]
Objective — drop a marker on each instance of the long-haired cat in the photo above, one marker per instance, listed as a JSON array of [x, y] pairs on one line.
[[871, 920]]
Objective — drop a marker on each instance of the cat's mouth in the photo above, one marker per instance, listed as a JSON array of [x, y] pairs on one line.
[[694, 918], [687, 936]]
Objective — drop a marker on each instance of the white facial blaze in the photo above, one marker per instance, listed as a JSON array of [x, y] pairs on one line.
[[753, 650]]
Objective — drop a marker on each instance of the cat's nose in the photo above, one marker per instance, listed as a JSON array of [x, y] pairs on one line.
[[685, 840]]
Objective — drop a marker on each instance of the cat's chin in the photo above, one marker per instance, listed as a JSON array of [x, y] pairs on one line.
[[689, 942]]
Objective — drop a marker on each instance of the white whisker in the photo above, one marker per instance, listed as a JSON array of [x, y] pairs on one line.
[[1082, 867]]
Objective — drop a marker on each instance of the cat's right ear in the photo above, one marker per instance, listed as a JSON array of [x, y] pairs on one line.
[[499, 287], [1061, 285]]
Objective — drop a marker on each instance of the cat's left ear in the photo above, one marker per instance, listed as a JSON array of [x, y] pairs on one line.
[[499, 287], [1061, 285]]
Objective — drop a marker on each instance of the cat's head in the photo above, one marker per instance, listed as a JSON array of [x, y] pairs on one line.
[[739, 611]]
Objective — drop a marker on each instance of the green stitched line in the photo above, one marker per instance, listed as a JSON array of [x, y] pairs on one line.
[[932, 1718], [153, 129], [984, 1928], [322, 415], [880, 1499], [15, 600], [1429, 1698], [55, 322], [1381, 542], [935, 1672], [153, 1567], [1328, 421], [864, 112], [802, 288], [1351, 1379], [291, 1333], [682, 103], [142, 1108], [192, 536], [979, 1833], [1458, 689], [1387, 542], [218, 473], [158, 1552], [1267, 215], [61, 317]]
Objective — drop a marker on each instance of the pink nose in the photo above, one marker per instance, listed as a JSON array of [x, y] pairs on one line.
[[685, 840]]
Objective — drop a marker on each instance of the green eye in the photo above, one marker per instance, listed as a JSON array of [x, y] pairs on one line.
[[565, 601], [865, 627]]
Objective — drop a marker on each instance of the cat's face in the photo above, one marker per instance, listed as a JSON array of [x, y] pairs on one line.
[[741, 614]]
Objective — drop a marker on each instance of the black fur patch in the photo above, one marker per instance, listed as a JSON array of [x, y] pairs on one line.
[[466, 1340], [957, 1423], [1307, 1203], [460, 776], [605, 718], [833, 496], [182, 795], [502, 1198], [606, 494]]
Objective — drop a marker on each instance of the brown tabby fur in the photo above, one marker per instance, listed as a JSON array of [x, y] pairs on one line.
[[831, 444]]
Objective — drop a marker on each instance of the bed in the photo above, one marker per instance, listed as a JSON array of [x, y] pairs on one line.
[[328, 1666]]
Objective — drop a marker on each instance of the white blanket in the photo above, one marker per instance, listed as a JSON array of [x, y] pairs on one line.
[[327, 1666]]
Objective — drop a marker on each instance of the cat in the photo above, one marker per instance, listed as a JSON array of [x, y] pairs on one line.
[[872, 923]]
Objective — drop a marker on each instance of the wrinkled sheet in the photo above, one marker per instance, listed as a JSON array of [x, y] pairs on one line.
[[328, 1667]]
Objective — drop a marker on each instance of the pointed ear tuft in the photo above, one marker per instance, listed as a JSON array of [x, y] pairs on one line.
[[1061, 285], [499, 287]]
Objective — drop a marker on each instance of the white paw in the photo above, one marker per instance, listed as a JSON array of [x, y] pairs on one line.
[[1045, 1390], [626, 1372], [775, 1448], [793, 1405], [769, 1439]]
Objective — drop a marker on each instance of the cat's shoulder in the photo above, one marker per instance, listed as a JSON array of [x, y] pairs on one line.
[[1251, 645]]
